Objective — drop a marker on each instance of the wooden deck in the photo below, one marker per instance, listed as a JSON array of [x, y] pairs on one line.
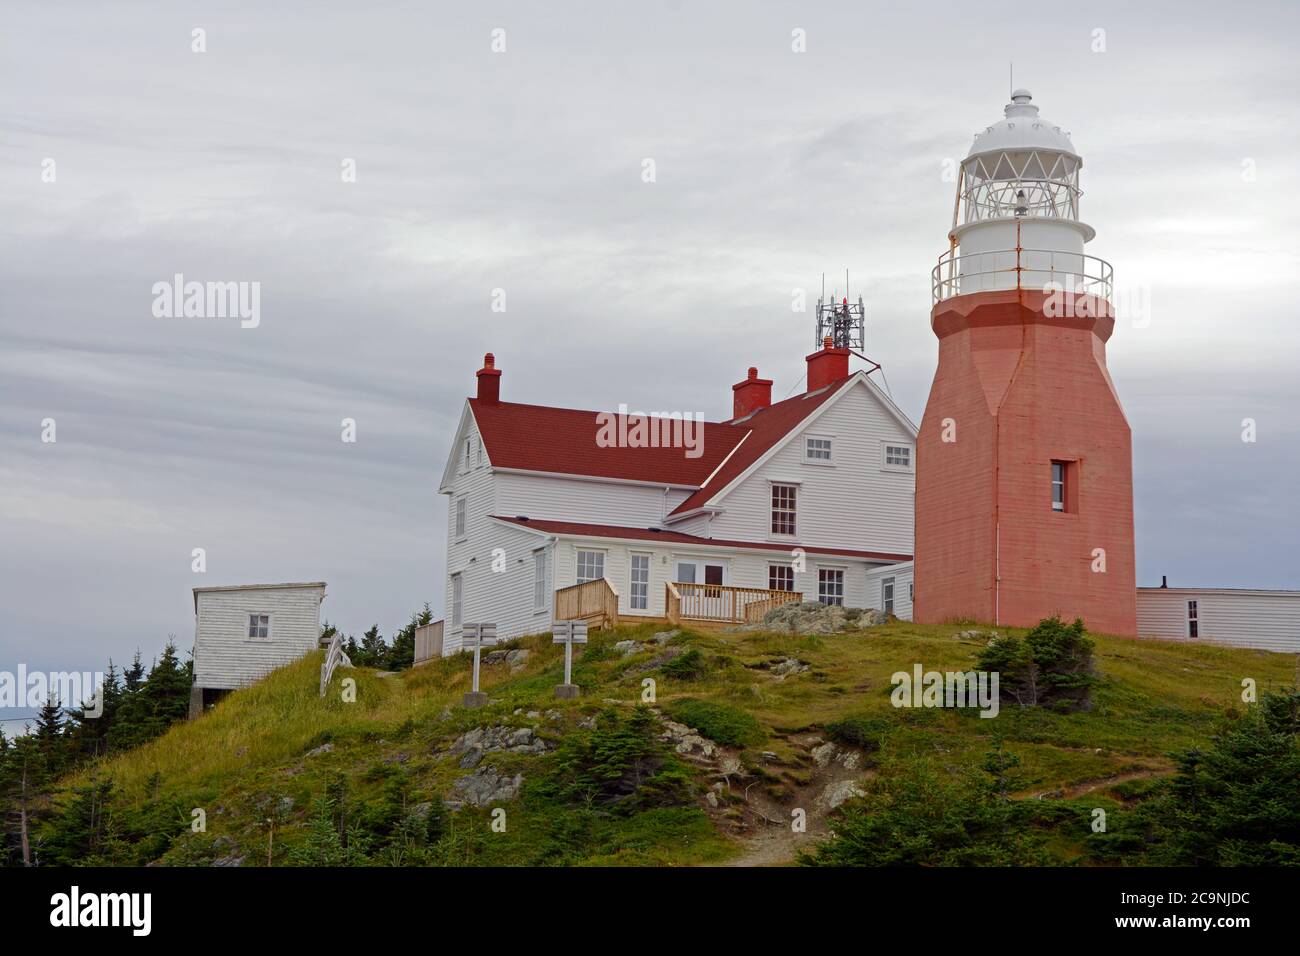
[[718, 604], [595, 602]]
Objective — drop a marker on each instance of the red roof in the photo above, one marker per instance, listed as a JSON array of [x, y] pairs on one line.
[[767, 427], [563, 441], [676, 537]]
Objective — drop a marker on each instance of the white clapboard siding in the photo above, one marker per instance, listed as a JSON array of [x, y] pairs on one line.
[[745, 569], [495, 561], [854, 503], [1267, 620], [903, 578], [225, 657], [625, 504]]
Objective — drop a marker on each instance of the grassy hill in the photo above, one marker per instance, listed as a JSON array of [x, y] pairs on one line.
[[284, 776]]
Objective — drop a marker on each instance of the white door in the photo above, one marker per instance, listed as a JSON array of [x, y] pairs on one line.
[[703, 595]]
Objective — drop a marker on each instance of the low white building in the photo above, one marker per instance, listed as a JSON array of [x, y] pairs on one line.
[[243, 632], [890, 589], [805, 496], [1238, 617]]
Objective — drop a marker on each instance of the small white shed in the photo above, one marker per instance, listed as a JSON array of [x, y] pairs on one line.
[[243, 632], [1238, 617], [889, 588]]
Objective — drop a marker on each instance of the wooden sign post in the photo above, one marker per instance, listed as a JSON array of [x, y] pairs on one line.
[[568, 633], [477, 636]]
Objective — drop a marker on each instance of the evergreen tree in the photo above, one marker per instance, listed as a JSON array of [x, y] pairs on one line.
[[50, 739], [373, 649], [402, 653], [81, 830]]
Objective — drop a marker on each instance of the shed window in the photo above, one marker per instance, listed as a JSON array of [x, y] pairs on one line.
[[259, 626], [887, 595], [1193, 620]]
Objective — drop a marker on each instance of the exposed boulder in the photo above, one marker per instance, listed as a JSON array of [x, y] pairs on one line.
[[812, 617], [787, 667], [473, 744], [837, 793], [484, 787]]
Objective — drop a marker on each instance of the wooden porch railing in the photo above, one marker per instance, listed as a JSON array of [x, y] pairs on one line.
[[595, 602], [721, 603]]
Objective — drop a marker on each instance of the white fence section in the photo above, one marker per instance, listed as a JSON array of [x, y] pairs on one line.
[[334, 657]]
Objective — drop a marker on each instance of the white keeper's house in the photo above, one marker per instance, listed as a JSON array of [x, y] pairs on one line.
[[806, 499]]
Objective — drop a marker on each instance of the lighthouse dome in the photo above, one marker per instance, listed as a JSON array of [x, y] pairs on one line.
[[1022, 129]]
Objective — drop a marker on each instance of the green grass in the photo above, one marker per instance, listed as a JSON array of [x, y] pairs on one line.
[[1153, 698]]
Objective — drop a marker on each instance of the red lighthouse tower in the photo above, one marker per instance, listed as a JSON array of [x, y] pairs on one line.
[[1024, 476]]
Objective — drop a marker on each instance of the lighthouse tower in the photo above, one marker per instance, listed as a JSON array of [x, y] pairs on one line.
[[1024, 477]]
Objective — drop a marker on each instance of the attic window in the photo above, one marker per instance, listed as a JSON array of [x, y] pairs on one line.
[[259, 626], [896, 457], [817, 450]]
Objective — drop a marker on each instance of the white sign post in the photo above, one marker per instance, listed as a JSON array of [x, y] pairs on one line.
[[568, 633], [477, 636]]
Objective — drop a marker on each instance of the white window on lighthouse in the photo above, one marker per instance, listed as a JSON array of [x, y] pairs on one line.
[[1058, 486]]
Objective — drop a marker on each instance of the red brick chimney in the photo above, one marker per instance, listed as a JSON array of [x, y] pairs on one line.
[[751, 394], [826, 366], [489, 381]]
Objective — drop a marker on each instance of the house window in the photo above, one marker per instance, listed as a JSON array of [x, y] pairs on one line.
[[830, 586], [467, 441], [259, 626], [457, 595], [639, 591], [479, 445], [780, 577], [1058, 486], [817, 449], [1193, 621], [539, 580], [898, 457], [591, 566], [887, 595], [460, 518], [783, 509]]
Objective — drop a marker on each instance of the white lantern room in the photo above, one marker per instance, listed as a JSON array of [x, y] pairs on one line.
[[1016, 219]]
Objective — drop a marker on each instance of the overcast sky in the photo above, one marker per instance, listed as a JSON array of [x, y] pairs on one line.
[[522, 171]]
